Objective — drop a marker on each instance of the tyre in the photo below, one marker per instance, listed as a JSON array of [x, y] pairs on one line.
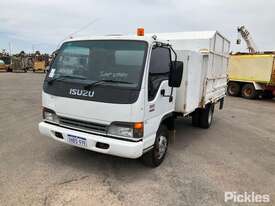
[[155, 157], [196, 118], [206, 117], [249, 91], [233, 89]]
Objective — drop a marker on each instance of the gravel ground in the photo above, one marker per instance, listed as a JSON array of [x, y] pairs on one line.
[[236, 154]]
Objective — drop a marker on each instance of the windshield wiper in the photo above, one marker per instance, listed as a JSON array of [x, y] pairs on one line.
[[94, 84], [65, 77]]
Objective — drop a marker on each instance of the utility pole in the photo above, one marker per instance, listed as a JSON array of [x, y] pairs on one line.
[[10, 48]]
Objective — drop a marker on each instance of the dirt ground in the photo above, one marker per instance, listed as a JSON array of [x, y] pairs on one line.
[[236, 154]]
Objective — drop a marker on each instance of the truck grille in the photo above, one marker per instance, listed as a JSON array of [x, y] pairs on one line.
[[83, 125]]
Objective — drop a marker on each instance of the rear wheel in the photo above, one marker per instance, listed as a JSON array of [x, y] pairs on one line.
[[196, 118], [233, 89], [249, 91], [206, 117], [154, 157]]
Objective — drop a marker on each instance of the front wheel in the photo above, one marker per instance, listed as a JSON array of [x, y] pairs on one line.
[[154, 157]]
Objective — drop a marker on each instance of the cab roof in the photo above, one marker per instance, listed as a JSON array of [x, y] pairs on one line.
[[148, 39]]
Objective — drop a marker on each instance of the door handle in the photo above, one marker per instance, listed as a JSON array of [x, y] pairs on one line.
[[162, 92]]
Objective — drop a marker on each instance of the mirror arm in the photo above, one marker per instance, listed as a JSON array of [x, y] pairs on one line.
[[176, 58], [159, 44], [171, 95]]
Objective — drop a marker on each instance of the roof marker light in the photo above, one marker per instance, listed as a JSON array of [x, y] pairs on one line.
[[140, 31]]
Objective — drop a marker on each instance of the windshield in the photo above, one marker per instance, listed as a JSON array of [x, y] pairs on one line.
[[117, 61]]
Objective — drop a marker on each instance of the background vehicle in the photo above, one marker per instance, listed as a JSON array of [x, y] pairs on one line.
[[18, 64], [40, 62], [120, 95], [5, 57], [252, 74], [2, 65]]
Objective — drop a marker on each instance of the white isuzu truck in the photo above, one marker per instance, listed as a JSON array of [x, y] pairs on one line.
[[120, 95]]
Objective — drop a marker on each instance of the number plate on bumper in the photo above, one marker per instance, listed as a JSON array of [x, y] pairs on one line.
[[79, 141]]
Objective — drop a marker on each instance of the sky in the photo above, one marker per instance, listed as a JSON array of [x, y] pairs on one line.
[[41, 25]]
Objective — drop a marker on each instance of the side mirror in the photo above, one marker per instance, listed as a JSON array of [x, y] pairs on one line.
[[175, 75]]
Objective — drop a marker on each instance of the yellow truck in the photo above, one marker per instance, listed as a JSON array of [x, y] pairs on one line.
[[39, 66], [252, 75]]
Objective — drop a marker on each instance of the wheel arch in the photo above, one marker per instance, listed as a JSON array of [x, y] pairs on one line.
[[257, 86], [168, 120]]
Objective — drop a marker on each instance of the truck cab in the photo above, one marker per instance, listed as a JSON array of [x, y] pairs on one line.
[[112, 95]]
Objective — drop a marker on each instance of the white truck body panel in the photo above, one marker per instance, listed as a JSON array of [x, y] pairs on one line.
[[189, 94], [205, 67]]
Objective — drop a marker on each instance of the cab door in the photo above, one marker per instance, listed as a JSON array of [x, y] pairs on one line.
[[157, 103]]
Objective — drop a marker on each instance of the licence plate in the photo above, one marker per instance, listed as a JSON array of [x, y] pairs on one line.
[[72, 139]]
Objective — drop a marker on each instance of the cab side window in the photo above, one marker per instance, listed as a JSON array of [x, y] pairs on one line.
[[158, 70]]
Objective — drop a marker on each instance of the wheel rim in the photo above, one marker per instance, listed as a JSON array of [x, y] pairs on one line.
[[210, 116], [162, 146], [248, 92]]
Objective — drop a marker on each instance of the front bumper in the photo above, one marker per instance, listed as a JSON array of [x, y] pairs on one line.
[[116, 147]]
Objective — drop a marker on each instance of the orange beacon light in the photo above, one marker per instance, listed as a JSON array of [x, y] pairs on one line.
[[140, 31]]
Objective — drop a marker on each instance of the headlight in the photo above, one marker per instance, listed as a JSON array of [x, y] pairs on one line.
[[130, 130], [49, 115]]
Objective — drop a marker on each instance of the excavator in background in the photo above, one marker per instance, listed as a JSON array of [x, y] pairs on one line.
[[251, 74], [245, 34]]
